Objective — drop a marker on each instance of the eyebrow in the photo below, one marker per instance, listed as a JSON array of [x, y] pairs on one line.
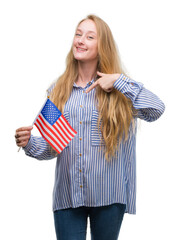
[[88, 31]]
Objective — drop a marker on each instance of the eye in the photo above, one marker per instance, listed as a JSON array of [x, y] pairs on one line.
[[90, 37], [78, 34]]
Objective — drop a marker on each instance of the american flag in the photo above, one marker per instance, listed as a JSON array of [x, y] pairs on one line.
[[53, 126]]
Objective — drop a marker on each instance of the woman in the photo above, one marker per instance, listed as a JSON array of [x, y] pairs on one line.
[[96, 173]]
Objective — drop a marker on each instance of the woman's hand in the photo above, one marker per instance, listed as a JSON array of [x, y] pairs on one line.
[[22, 136], [105, 81]]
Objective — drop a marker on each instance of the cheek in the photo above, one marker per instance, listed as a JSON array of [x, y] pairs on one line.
[[95, 49], [92, 46], [74, 43]]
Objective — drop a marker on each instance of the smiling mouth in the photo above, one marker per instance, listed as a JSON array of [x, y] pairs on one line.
[[81, 49]]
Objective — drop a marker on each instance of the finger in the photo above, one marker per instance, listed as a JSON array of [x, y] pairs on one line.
[[92, 86], [22, 134], [22, 144], [29, 128], [18, 141], [23, 131], [17, 135], [100, 74], [24, 138]]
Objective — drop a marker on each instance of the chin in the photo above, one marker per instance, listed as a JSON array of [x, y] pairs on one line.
[[80, 58]]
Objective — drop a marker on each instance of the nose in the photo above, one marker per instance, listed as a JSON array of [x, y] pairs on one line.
[[81, 40]]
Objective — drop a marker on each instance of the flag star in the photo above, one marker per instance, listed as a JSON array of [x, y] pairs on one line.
[[50, 112]]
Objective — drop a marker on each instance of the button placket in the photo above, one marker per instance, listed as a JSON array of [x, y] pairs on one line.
[[80, 153]]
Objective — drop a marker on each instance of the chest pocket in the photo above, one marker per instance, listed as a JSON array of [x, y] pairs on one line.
[[96, 136], [66, 115]]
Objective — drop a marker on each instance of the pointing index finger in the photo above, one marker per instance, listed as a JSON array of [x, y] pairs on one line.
[[92, 86]]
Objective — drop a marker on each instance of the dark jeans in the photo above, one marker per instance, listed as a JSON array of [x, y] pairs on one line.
[[105, 222]]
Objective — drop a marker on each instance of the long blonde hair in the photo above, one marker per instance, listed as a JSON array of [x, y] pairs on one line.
[[115, 110]]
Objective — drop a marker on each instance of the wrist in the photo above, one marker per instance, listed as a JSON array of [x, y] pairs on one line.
[[116, 77]]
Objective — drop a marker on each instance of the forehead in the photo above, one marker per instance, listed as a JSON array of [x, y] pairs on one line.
[[87, 26]]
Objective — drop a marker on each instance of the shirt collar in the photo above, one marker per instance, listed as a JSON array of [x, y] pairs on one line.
[[87, 85]]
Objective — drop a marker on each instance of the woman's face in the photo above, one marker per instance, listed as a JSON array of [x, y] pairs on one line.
[[85, 44]]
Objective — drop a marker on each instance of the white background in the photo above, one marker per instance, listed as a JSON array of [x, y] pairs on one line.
[[35, 38]]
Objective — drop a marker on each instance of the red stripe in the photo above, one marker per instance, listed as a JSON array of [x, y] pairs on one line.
[[72, 129], [51, 137], [45, 132], [46, 138], [67, 141], [53, 132], [64, 125], [60, 126]]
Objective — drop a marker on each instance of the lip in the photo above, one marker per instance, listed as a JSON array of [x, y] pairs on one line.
[[80, 49]]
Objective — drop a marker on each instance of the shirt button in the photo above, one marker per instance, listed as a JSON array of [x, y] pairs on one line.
[[81, 106], [80, 138], [80, 154], [80, 170], [81, 186], [80, 122]]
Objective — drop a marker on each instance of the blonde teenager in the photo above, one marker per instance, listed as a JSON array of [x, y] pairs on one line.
[[96, 173]]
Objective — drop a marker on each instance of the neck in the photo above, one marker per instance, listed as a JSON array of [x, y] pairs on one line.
[[86, 72]]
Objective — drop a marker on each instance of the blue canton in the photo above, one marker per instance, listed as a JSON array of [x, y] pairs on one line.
[[50, 112]]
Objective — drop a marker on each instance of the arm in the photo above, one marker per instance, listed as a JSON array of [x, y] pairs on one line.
[[38, 148], [149, 106]]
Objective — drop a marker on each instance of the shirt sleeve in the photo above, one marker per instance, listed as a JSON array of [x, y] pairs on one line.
[[149, 107], [38, 148], [50, 89]]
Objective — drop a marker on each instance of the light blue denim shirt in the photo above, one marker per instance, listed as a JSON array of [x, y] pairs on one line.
[[83, 176]]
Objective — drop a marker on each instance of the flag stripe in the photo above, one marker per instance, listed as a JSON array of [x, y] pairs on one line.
[[47, 138], [59, 132], [65, 128], [63, 135], [62, 130], [54, 127], [68, 126], [49, 135], [52, 131]]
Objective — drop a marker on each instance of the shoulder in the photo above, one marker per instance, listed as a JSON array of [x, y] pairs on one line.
[[50, 88]]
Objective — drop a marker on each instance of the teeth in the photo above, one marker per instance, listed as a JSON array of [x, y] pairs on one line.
[[81, 49]]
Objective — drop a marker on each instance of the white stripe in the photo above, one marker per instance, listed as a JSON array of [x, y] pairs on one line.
[[73, 134], [64, 136], [54, 130], [61, 122], [49, 139]]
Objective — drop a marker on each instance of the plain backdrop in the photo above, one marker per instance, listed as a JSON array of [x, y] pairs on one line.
[[35, 38]]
